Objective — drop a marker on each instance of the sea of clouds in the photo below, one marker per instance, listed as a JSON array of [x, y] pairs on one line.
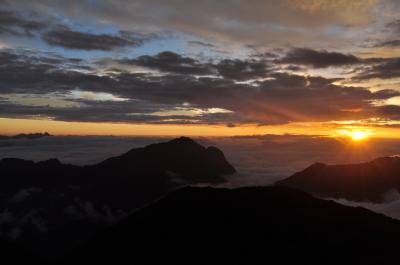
[[259, 160]]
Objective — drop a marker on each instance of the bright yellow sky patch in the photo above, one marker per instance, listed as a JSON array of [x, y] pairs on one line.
[[359, 135]]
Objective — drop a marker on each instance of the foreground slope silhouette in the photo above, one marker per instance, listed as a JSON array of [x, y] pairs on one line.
[[358, 182], [256, 225]]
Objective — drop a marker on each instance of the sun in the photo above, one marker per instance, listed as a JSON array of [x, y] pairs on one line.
[[358, 135], [354, 134]]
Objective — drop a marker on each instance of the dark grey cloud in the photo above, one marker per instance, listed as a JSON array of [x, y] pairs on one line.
[[171, 62], [296, 98], [295, 68], [15, 24], [255, 22], [388, 43], [383, 69], [243, 69], [318, 59], [55, 33], [70, 39], [201, 44], [30, 72], [390, 111], [280, 98], [394, 25], [389, 38], [131, 111]]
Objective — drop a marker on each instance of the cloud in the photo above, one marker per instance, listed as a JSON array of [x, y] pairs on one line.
[[23, 194], [391, 208], [201, 44], [260, 160], [12, 23], [243, 69], [35, 72], [257, 22], [394, 25], [170, 62], [70, 39], [383, 69], [385, 36], [388, 43], [82, 150], [265, 101], [318, 59], [390, 111]]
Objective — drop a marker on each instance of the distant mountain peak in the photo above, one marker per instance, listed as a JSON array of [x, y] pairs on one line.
[[368, 181], [387, 159], [316, 166], [183, 140], [50, 162], [31, 136], [182, 156]]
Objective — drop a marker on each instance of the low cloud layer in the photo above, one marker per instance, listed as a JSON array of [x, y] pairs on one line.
[[11, 23], [259, 160]]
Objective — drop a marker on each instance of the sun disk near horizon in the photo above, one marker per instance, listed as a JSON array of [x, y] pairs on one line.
[[355, 135]]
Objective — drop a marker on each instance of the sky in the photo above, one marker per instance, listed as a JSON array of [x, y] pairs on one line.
[[211, 68]]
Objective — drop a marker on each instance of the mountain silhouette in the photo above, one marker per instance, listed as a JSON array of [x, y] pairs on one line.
[[183, 157], [13, 253], [255, 225], [30, 136], [49, 201], [358, 182]]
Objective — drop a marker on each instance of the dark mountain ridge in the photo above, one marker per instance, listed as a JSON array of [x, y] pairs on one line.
[[368, 181], [182, 157], [258, 225], [49, 200]]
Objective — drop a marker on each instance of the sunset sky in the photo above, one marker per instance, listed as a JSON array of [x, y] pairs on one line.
[[174, 67]]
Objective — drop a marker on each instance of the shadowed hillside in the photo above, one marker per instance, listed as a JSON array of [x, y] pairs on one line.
[[246, 226], [359, 182]]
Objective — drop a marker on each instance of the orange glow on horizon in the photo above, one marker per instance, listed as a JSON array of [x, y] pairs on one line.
[[16, 126]]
